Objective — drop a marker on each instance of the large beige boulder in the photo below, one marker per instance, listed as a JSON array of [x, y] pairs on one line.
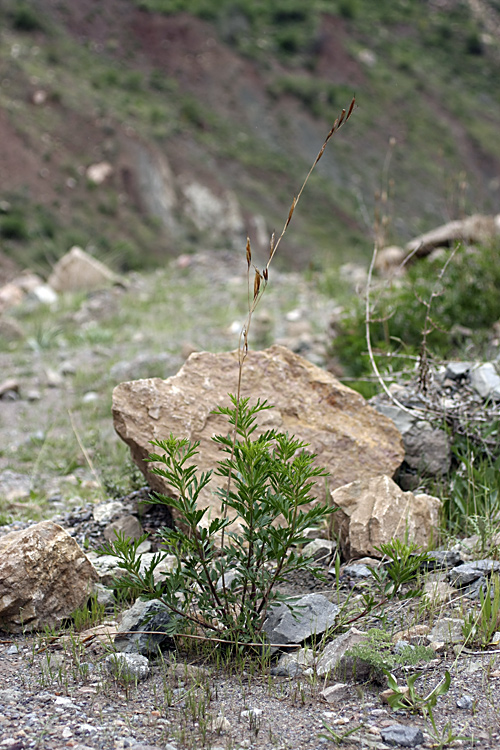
[[373, 511], [44, 577], [77, 271], [350, 438]]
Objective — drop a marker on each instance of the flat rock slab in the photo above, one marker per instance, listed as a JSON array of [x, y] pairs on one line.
[[295, 621], [350, 438]]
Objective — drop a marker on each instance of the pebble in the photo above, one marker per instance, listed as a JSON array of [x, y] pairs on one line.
[[465, 702], [400, 734]]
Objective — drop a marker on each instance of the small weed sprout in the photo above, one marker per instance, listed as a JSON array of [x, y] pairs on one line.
[[479, 627], [405, 563], [406, 697]]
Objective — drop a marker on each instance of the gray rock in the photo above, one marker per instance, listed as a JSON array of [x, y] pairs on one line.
[[465, 702], [127, 667], [335, 693], [402, 645], [403, 420], [427, 449], [291, 665], [464, 574], [147, 616], [106, 567], [486, 381], [457, 370], [356, 570], [330, 660], [444, 559], [107, 512], [321, 550], [312, 614], [447, 630], [128, 526], [292, 669], [474, 589], [399, 734]]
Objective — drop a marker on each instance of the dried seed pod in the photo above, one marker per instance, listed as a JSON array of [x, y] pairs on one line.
[[290, 213], [249, 253], [271, 248], [351, 107], [256, 283]]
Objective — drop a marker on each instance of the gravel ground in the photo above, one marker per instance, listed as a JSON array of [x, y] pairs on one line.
[[56, 694]]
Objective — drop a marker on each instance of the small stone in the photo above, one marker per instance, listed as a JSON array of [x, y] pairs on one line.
[[127, 526], [287, 670], [399, 734], [401, 645], [89, 397], [107, 512], [464, 574], [355, 570], [486, 381], [219, 724], [54, 378], [321, 550], [335, 693], [465, 702], [144, 616], [448, 629], [458, 370]]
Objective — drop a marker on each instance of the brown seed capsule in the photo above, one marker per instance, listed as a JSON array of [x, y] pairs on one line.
[[271, 249], [290, 213], [249, 253], [351, 107], [256, 283]]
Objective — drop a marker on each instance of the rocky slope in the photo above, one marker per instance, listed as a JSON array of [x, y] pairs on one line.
[[203, 127]]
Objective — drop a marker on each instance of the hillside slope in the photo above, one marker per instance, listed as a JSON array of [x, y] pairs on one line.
[[207, 122]]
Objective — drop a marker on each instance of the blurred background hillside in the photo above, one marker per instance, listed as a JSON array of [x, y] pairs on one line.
[[142, 129]]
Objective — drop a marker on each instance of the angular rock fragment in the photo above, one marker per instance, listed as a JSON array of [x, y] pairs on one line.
[[310, 615], [374, 511], [79, 271], [44, 577]]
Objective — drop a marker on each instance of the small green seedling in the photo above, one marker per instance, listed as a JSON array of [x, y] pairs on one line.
[[407, 697], [479, 627], [336, 737], [405, 563]]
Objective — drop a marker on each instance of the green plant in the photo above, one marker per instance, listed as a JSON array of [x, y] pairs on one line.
[[444, 737], [26, 18], [405, 563], [473, 499], [479, 627], [14, 227], [406, 697], [378, 653], [337, 737], [228, 592], [462, 296], [89, 614]]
